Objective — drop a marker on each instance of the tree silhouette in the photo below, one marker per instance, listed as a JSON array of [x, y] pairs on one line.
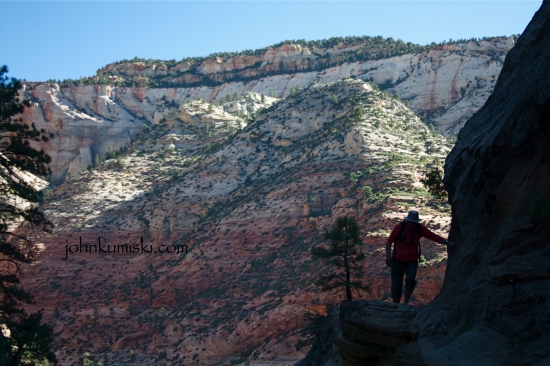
[[433, 181], [342, 253], [23, 339]]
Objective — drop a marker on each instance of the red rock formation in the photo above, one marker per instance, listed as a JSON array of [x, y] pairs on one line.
[[245, 212]]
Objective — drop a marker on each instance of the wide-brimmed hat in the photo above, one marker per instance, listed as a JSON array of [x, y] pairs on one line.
[[413, 216]]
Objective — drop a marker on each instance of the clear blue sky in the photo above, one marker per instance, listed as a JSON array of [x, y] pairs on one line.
[[69, 39]]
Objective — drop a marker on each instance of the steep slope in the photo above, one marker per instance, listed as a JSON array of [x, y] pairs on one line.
[[248, 202], [444, 85], [494, 306]]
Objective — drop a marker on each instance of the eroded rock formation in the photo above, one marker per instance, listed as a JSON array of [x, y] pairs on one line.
[[444, 86], [367, 333], [494, 307], [248, 201]]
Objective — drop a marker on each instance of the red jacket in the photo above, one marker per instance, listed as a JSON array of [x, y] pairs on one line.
[[405, 250]]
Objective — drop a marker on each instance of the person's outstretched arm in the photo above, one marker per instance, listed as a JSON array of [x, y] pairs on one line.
[[426, 233]]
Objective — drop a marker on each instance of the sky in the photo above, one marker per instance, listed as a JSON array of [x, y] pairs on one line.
[[41, 40]]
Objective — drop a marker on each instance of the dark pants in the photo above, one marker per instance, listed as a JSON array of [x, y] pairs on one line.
[[397, 269]]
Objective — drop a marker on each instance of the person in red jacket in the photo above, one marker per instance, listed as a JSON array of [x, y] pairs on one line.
[[404, 259]]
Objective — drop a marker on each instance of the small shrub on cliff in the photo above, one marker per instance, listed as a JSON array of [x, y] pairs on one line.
[[367, 191], [431, 128], [342, 253], [119, 162], [354, 177], [357, 113], [433, 181]]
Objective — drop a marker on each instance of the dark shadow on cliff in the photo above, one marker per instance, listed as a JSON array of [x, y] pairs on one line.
[[364, 332], [494, 306]]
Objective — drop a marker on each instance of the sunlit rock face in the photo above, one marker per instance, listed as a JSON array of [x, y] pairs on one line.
[[248, 198], [444, 86], [493, 306]]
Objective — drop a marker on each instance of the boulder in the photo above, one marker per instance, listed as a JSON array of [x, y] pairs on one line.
[[374, 332], [368, 332]]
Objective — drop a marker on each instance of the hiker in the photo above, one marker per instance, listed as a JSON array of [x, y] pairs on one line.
[[406, 253]]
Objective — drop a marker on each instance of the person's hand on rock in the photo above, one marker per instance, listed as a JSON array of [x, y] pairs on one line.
[[451, 245]]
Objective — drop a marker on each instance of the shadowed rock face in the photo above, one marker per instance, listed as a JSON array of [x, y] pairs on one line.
[[498, 177], [367, 333], [378, 333]]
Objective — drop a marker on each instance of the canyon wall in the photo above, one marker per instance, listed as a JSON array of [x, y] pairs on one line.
[[444, 85], [494, 306], [248, 201], [250, 197], [433, 79]]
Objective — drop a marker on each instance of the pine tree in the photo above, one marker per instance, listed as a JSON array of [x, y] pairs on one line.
[[343, 253], [23, 338], [110, 153], [432, 129]]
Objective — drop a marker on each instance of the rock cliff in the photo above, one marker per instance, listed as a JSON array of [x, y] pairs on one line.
[[248, 197], [444, 85], [367, 333], [494, 306]]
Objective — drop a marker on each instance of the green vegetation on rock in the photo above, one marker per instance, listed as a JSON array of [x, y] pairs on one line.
[[365, 48]]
